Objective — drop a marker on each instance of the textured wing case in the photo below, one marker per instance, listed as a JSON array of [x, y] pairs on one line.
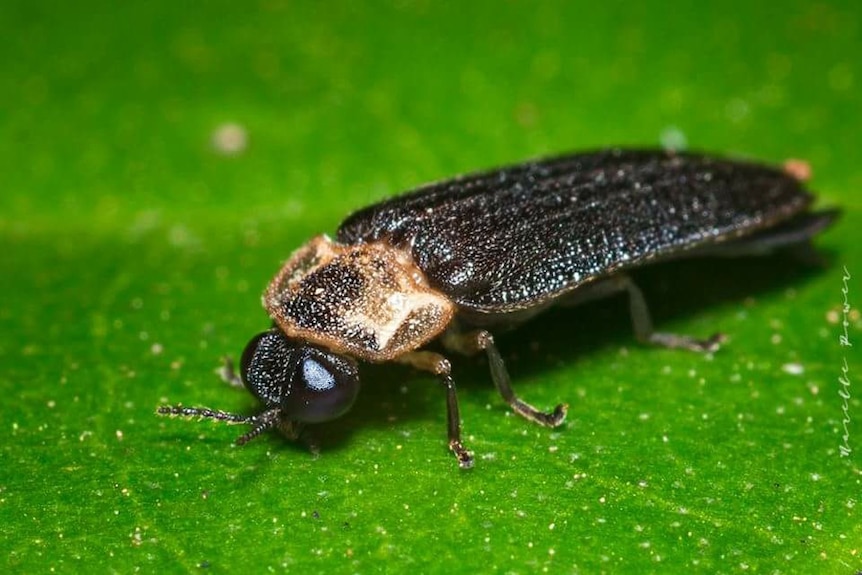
[[511, 239]]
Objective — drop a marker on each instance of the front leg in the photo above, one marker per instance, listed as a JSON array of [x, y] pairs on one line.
[[439, 366], [228, 374], [474, 341]]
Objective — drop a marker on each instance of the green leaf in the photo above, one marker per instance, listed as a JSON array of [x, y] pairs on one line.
[[134, 251]]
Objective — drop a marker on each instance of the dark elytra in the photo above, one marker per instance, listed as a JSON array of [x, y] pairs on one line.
[[507, 239], [493, 249]]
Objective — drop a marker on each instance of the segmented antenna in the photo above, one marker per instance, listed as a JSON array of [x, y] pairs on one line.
[[205, 412], [261, 421]]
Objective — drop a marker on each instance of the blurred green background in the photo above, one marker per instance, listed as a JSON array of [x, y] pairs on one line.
[[135, 247]]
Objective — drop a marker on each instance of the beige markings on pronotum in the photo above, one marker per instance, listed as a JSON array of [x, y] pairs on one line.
[[368, 300]]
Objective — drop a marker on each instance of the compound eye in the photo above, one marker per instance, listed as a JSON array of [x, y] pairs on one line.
[[324, 387]]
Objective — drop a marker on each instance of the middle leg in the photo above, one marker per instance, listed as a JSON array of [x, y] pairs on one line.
[[472, 342]]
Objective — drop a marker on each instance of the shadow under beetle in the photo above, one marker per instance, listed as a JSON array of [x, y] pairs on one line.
[[456, 259]]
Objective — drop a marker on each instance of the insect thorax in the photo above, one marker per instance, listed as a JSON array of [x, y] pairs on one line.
[[366, 300]]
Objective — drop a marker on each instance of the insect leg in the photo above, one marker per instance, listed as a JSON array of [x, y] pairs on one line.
[[229, 375], [439, 366], [481, 340], [641, 320]]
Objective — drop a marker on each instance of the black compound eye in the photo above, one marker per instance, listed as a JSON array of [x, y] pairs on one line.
[[324, 386]]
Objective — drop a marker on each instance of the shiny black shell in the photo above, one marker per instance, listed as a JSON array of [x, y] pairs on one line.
[[519, 237]]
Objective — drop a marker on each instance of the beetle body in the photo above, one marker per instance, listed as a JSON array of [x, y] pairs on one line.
[[455, 259]]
